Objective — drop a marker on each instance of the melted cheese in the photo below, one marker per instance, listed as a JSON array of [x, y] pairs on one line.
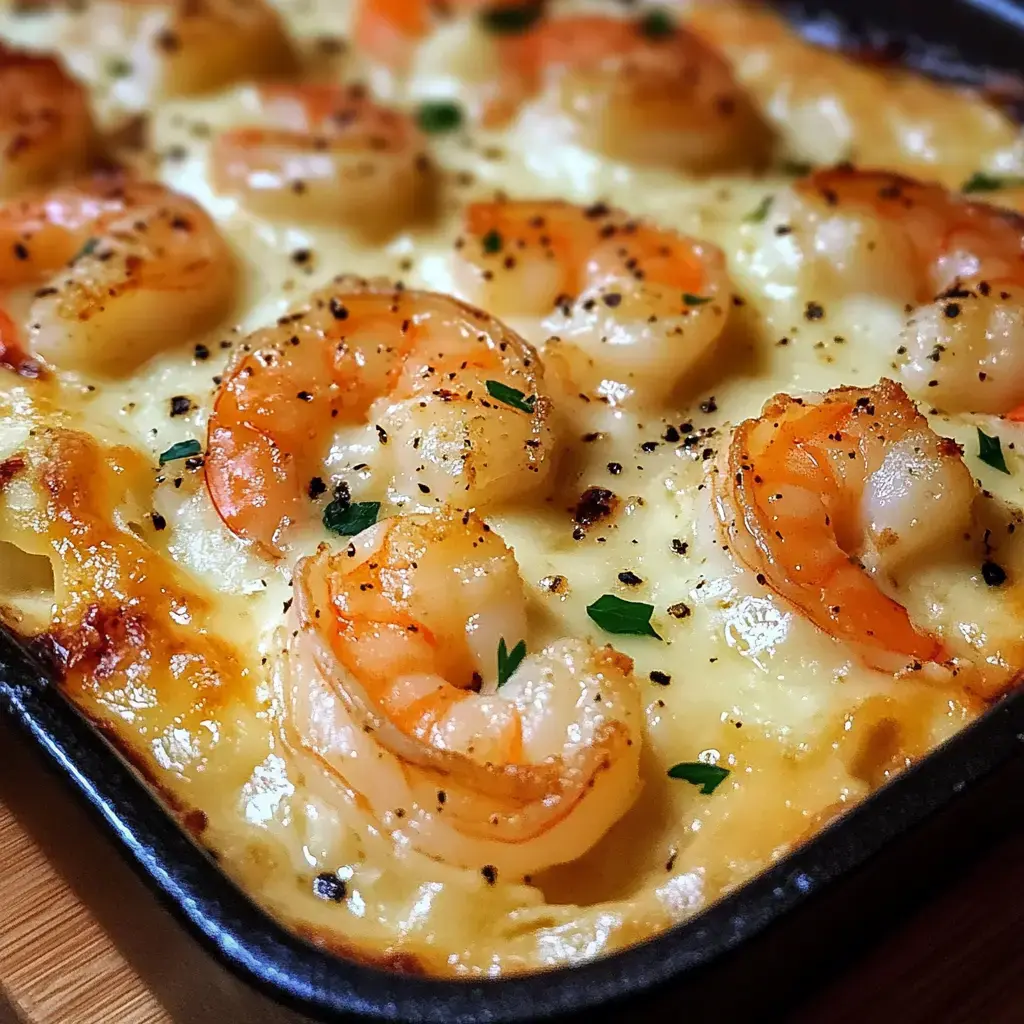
[[740, 679]]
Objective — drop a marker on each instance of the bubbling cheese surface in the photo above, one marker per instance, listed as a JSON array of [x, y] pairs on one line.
[[739, 677]]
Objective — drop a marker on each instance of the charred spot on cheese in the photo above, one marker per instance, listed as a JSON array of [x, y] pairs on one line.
[[595, 504], [555, 584], [9, 469], [328, 886], [993, 574]]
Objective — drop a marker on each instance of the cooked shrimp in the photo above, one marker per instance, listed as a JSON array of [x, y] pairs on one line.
[[961, 262], [394, 638], [46, 126], [329, 154], [632, 306], [390, 30], [644, 91], [816, 489], [827, 107], [140, 268], [420, 367], [203, 45]]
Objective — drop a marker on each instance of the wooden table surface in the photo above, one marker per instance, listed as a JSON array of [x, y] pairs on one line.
[[83, 942]]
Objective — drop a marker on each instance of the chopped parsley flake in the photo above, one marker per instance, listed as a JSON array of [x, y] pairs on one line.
[[980, 181], [438, 116], [657, 24], [491, 242], [708, 776], [87, 249], [509, 661], [511, 19], [349, 518], [118, 67], [760, 212], [511, 396], [181, 450], [695, 300], [798, 168], [626, 618], [990, 451]]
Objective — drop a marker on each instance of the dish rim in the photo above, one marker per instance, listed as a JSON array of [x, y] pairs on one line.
[[291, 970]]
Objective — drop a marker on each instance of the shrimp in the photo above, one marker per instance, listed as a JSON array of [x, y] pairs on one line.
[[455, 399], [204, 45], [632, 307], [389, 31], [960, 262], [328, 154], [817, 491], [46, 126], [138, 268], [390, 684], [643, 90], [826, 107]]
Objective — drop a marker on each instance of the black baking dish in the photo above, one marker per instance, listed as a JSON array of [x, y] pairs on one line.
[[746, 954]]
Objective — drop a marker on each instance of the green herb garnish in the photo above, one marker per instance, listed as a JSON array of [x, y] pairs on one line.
[[118, 67], [181, 450], [347, 518], [491, 242], [439, 116], [656, 24], [708, 776], [87, 249], [760, 213], [511, 19], [695, 300], [509, 661], [628, 618], [990, 451], [798, 168], [980, 181], [511, 396]]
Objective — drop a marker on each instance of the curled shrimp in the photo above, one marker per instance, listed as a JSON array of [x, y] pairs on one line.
[[642, 92], [420, 367], [46, 126], [632, 307], [328, 154], [126, 268], [197, 46], [960, 262], [392, 639], [816, 489]]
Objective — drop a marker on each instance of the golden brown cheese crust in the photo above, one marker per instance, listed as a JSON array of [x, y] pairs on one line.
[[136, 643]]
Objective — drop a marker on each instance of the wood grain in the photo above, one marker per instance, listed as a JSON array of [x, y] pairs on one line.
[[46, 931], [83, 942]]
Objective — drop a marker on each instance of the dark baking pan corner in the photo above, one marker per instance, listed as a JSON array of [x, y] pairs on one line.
[[845, 882]]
